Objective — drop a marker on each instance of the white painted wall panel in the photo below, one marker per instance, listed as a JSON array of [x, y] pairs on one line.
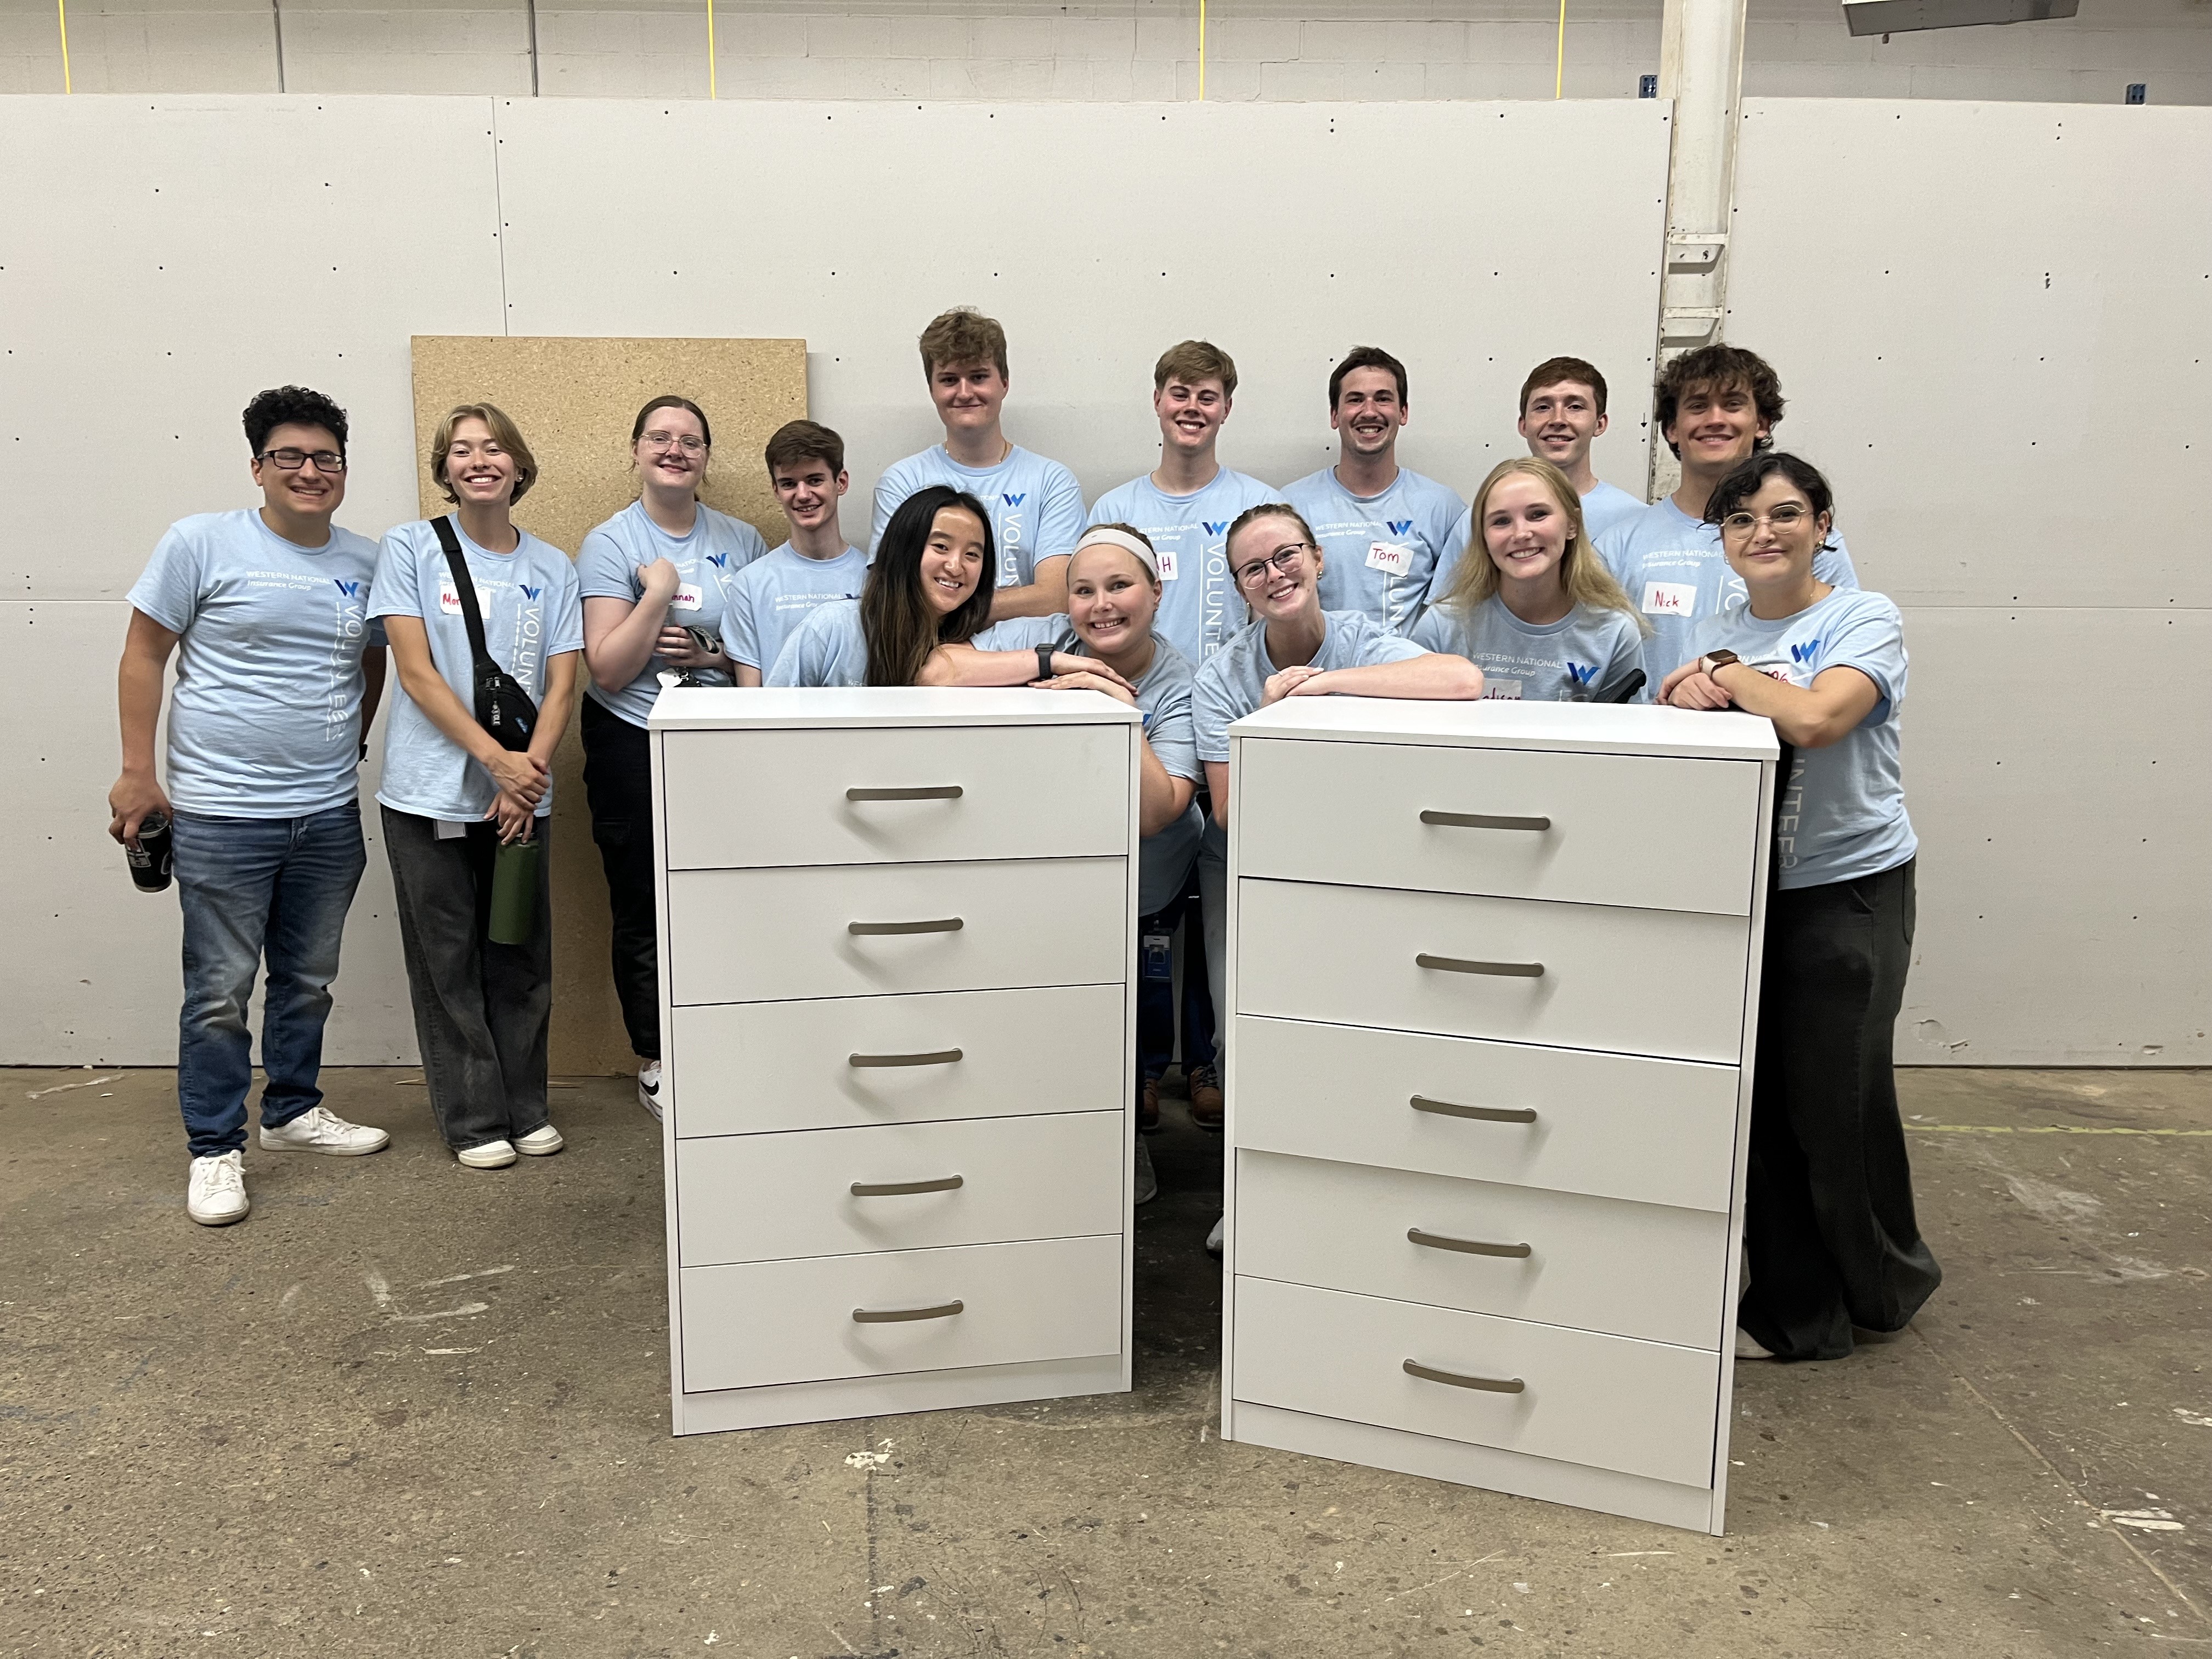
[[165, 258], [2001, 358], [1455, 265]]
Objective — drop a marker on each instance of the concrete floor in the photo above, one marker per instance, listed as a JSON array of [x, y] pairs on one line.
[[407, 1408]]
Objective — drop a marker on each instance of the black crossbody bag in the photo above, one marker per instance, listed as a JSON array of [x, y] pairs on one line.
[[503, 707]]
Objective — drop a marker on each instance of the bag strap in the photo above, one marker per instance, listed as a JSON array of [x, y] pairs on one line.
[[458, 562]]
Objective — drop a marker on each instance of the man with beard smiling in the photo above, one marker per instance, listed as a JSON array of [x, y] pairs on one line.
[[1383, 530], [1715, 407]]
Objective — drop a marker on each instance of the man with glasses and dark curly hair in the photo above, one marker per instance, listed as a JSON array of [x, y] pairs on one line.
[[279, 672]]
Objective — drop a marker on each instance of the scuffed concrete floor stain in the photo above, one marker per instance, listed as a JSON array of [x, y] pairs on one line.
[[409, 1409]]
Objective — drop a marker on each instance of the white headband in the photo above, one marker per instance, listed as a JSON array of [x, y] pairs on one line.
[[1103, 536]]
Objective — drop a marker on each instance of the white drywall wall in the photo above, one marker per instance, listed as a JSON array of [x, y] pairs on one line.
[[2001, 353]]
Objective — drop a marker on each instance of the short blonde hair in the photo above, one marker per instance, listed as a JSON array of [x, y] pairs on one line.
[[1193, 361], [504, 433], [1583, 574], [960, 336]]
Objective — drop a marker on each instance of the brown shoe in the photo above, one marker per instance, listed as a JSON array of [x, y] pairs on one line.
[[1148, 1106], [1206, 1102]]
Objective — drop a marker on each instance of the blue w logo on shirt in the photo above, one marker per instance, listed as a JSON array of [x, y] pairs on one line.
[[529, 593], [718, 560], [1400, 526], [1805, 652], [1015, 501], [351, 590], [1214, 527], [1582, 673]]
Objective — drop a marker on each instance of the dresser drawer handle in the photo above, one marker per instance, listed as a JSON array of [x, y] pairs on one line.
[[1430, 1374], [1464, 1246], [1486, 1113], [900, 1316], [1461, 965], [927, 792], [1482, 821], [941, 1184], [941, 1057], [947, 925]]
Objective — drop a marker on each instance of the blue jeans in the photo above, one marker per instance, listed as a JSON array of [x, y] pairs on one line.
[[251, 887]]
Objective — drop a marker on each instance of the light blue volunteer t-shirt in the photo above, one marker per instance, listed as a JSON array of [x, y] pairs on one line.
[[1164, 694], [828, 647], [266, 721], [1233, 680], [1199, 606], [1606, 506], [1036, 505], [1842, 814], [1672, 568], [773, 595], [1379, 552], [1570, 661], [707, 560], [531, 610]]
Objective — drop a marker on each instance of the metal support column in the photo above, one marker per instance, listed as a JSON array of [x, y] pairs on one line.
[[1701, 69]]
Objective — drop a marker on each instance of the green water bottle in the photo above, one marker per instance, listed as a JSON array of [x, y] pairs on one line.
[[514, 891]]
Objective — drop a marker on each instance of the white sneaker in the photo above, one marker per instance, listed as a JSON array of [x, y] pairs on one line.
[[1148, 1184], [492, 1155], [1213, 1239], [541, 1142], [216, 1195], [322, 1130], [648, 1088], [1748, 1347]]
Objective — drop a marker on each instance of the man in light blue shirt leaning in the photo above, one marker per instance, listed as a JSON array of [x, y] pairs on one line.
[[1383, 530], [280, 671], [1036, 505]]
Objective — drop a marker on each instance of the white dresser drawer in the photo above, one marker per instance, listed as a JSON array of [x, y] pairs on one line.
[[745, 798], [838, 1062], [1640, 1407], [1656, 833], [1598, 1264], [758, 1197], [767, 935], [1615, 1125], [793, 1321], [1634, 981]]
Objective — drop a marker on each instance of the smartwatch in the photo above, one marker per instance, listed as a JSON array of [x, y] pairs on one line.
[[1713, 661], [1044, 662]]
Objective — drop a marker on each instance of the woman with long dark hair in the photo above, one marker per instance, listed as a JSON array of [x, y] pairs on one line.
[[926, 590], [1829, 1236]]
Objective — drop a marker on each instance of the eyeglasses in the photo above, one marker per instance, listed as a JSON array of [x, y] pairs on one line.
[[291, 460], [1284, 559], [687, 443], [1788, 516]]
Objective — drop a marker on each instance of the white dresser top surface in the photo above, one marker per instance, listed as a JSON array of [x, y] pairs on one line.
[[728, 708], [1599, 728]]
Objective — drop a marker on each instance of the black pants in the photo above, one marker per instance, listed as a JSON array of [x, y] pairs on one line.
[[619, 782], [1829, 1229], [482, 1010]]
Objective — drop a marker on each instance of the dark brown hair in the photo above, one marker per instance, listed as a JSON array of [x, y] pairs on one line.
[[670, 400], [900, 625], [805, 440], [1716, 368], [1366, 357], [1552, 370]]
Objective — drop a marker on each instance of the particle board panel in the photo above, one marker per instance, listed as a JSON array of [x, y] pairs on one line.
[[91, 976], [1985, 343], [2065, 916], [1088, 301], [165, 258], [575, 400]]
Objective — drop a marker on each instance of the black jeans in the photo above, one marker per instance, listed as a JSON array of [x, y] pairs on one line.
[[618, 782], [482, 1010], [1829, 1228]]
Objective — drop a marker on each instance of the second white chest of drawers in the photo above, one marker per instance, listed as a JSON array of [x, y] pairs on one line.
[[897, 951], [1494, 969]]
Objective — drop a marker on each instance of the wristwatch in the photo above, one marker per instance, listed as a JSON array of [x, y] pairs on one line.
[[1044, 662], [1713, 661]]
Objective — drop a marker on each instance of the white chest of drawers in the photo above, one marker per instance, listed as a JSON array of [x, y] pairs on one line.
[[897, 956], [1495, 974]]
